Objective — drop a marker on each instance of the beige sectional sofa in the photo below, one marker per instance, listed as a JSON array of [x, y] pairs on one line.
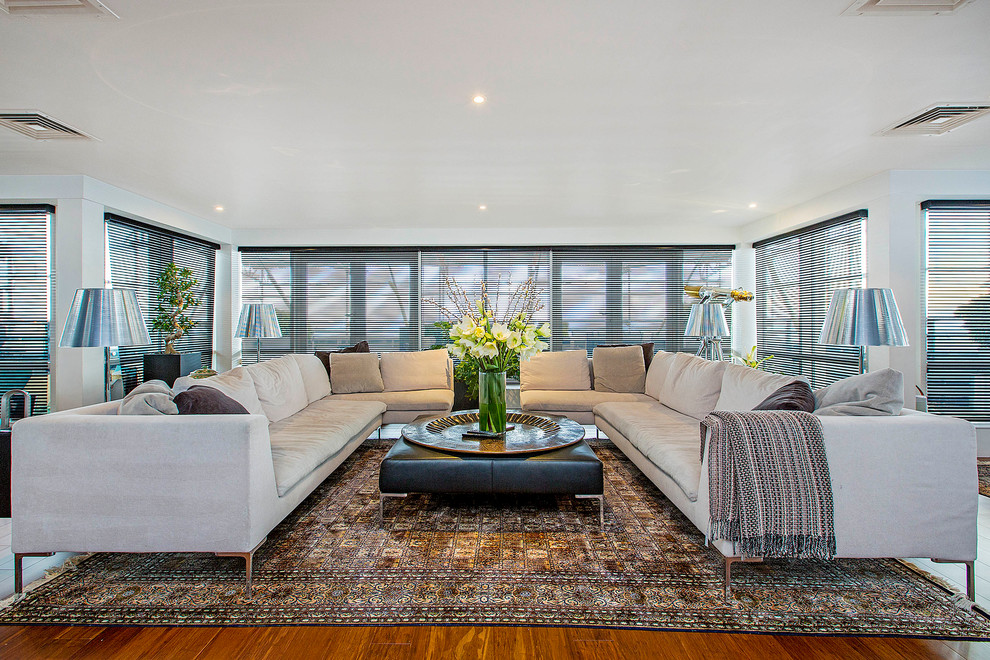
[[903, 485], [91, 480]]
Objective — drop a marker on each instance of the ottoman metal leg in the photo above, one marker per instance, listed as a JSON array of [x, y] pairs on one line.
[[381, 502], [601, 507]]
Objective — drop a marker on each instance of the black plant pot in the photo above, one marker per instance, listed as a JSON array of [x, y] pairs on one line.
[[461, 399], [168, 367]]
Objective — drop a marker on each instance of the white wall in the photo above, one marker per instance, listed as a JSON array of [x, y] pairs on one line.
[[895, 248], [79, 253]]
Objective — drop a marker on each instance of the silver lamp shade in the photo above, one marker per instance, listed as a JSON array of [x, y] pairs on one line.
[[863, 317], [707, 320], [104, 317], [258, 321]]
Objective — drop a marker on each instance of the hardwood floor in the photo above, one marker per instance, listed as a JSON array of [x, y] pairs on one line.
[[383, 643]]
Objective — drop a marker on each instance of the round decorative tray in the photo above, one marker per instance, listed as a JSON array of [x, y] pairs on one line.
[[530, 434]]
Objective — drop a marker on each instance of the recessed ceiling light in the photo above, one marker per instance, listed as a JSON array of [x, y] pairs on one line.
[[218, 208], [478, 99], [752, 205], [719, 211], [482, 207]]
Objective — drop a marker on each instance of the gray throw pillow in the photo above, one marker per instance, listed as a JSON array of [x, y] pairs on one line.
[[875, 393], [151, 398], [355, 372]]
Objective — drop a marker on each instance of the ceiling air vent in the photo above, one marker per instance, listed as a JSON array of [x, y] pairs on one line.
[[937, 119], [56, 8], [39, 126], [904, 7]]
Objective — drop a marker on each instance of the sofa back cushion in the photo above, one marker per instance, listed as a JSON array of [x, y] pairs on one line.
[[416, 370], [238, 385], [743, 388], [355, 372], [316, 378], [657, 373], [556, 370], [619, 369], [692, 385], [279, 385]]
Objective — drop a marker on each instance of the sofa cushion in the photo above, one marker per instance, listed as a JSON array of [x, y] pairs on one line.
[[236, 384], [426, 400], [876, 393], [415, 370], [301, 442], [744, 387], [355, 372], [316, 379], [200, 400], [565, 401], [692, 385], [280, 387], [647, 350], [324, 356], [556, 370], [796, 395], [667, 438], [619, 369], [657, 373], [153, 397]]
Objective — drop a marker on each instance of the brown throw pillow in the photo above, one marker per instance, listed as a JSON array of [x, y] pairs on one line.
[[793, 396], [360, 347], [647, 351], [206, 400]]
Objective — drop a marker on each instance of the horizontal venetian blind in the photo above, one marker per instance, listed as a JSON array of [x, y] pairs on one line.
[[138, 254], [627, 295], [502, 269], [329, 299], [796, 273], [957, 322], [25, 302]]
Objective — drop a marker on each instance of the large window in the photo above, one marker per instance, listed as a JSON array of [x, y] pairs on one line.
[[957, 320], [25, 302], [327, 299], [138, 253], [796, 273]]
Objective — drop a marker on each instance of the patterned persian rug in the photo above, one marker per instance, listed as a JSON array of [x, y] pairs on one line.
[[983, 469], [509, 560]]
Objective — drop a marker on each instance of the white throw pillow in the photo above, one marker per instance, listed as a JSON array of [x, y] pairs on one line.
[[236, 384], [153, 397], [417, 370], [314, 376], [557, 370], [743, 387], [692, 385], [656, 375], [279, 385]]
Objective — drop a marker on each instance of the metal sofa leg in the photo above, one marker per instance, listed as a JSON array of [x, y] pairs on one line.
[[601, 507], [970, 575], [729, 561], [248, 564], [381, 502], [19, 571]]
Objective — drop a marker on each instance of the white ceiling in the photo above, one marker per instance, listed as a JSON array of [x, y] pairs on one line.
[[611, 113]]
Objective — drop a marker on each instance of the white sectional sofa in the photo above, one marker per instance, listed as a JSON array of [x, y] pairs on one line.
[[903, 485], [90, 480]]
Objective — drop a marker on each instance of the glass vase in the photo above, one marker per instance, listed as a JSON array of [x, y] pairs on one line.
[[491, 401]]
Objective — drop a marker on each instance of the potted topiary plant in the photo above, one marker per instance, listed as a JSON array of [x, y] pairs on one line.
[[175, 298]]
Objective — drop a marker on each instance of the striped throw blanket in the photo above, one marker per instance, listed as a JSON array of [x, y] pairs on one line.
[[770, 488]]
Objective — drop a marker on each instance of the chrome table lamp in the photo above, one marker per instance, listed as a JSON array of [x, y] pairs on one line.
[[863, 317], [258, 321], [707, 321], [104, 317]]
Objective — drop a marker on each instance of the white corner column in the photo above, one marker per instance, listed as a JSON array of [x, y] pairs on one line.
[[744, 313]]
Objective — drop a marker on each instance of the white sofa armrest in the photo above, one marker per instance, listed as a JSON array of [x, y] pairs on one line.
[[92, 482]]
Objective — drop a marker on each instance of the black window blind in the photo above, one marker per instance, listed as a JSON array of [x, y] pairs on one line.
[[26, 281], [138, 254], [796, 273], [327, 299], [957, 320]]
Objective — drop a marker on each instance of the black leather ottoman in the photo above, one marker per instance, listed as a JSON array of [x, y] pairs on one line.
[[574, 470]]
